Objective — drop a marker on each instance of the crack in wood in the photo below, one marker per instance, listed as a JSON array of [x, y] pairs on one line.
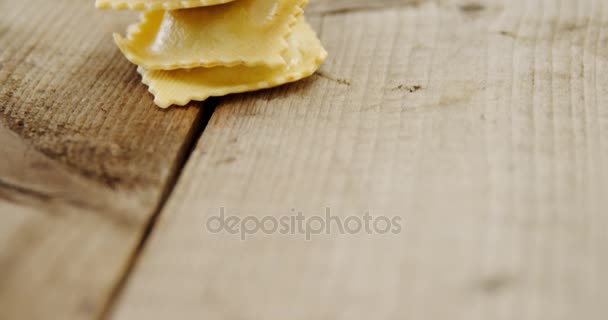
[[196, 132], [53, 202], [341, 8], [342, 81], [30, 193]]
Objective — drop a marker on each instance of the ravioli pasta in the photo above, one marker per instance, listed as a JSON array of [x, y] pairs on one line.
[[156, 4], [249, 32], [179, 87], [209, 50]]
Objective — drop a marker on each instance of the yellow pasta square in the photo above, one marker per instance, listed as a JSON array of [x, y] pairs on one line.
[[244, 32], [178, 87], [156, 4]]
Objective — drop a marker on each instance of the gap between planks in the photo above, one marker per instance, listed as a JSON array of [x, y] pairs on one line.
[[207, 109]]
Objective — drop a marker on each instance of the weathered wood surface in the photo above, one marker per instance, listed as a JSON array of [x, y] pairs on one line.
[[85, 158], [482, 123]]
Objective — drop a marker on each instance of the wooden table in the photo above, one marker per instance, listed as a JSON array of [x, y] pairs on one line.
[[482, 124]]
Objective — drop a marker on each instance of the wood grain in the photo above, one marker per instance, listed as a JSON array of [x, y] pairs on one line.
[[85, 158], [328, 7], [483, 124]]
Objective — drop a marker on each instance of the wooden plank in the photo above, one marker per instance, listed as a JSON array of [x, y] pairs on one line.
[[482, 124], [85, 158]]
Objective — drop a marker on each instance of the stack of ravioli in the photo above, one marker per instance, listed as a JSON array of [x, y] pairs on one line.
[[190, 50]]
